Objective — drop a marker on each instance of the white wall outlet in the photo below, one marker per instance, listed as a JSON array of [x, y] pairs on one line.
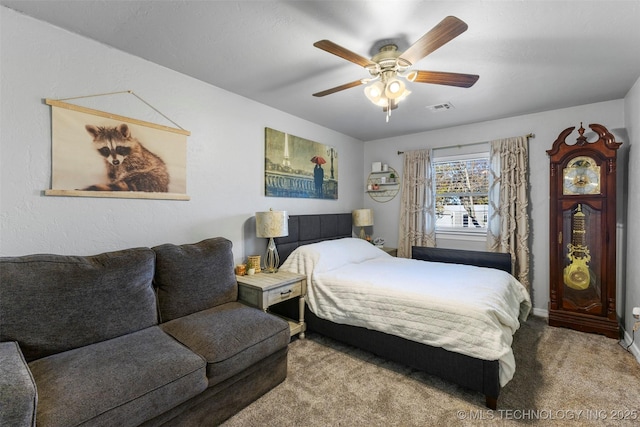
[[636, 312]]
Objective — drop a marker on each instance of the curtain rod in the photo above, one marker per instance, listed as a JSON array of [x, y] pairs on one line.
[[529, 135]]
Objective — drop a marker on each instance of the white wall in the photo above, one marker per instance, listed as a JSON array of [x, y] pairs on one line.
[[225, 158], [546, 126], [632, 122]]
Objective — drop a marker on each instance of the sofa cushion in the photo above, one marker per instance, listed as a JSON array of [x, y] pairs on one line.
[[54, 303], [194, 277], [18, 395], [123, 381], [231, 337]]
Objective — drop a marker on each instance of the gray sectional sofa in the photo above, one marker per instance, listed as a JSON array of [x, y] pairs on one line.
[[142, 336]]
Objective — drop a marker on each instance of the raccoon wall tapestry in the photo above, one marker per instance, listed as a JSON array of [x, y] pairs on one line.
[[98, 154], [130, 166]]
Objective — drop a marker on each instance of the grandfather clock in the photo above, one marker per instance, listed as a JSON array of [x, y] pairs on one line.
[[582, 226]]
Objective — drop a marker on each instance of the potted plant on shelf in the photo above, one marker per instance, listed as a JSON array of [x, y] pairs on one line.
[[392, 177]]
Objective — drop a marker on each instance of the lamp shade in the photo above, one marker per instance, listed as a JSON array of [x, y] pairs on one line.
[[272, 224], [375, 93], [362, 217], [395, 89]]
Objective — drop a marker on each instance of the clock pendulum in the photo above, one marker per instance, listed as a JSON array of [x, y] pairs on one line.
[[577, 274]]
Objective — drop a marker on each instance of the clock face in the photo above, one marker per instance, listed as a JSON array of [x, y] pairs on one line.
[[581, 176]]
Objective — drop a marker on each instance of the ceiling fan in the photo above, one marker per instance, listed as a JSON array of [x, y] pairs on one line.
[[387, 90]]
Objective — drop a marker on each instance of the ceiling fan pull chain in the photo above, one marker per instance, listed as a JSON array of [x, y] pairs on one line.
[[388, 109]]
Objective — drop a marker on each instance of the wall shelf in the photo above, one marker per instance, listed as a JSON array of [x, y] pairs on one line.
[[383, 191]]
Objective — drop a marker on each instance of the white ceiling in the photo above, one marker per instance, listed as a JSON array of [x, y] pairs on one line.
[[531, 55]]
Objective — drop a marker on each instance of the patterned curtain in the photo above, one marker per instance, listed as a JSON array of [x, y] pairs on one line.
[[417, 203], [508, 227]]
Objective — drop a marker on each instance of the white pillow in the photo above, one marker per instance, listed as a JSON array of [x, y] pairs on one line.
[[332, 254]]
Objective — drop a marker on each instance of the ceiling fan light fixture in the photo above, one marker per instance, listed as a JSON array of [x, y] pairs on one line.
[[387, 93], [403, 95], [395, 89], [375, 92]]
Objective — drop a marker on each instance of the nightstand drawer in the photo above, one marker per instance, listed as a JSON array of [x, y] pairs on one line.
[[283, 293]]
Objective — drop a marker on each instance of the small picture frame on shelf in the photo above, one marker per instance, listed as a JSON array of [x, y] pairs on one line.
[[376, 167]]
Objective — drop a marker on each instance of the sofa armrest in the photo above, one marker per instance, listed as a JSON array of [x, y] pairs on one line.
[[18, 394]]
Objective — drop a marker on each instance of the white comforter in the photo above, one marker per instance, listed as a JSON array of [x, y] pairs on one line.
[[465, 309]]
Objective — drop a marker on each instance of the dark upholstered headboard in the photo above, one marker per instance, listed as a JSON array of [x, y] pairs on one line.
[[496, 260], [305, 229]]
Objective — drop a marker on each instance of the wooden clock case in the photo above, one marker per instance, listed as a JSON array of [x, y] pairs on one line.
[[582, 230]]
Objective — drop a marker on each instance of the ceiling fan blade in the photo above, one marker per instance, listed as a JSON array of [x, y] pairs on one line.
[[338, 88], [340, 51], [444, 78], [448, 29]]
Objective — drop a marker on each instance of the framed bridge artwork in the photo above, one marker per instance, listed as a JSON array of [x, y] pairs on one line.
[[99, 154], [300, 168]]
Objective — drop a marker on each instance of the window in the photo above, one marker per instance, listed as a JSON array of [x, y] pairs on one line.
[[461, 191]]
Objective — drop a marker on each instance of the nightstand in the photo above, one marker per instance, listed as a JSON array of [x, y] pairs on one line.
[[390, 251], [263, 290]]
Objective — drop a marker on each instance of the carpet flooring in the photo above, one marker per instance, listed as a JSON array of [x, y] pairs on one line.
[[563, 377]]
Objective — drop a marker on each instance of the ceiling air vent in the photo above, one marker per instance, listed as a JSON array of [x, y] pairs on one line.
[[440, 107]]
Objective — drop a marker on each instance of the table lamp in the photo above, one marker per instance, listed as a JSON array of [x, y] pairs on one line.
[[269, 225], [362, 218]]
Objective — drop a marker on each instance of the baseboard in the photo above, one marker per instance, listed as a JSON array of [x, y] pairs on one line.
[[540, 312], [635, 348]]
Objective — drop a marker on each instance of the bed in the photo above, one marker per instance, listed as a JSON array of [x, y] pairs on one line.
[[476, 355]]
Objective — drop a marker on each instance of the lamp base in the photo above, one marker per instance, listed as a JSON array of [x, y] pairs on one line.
[[362, 234], [271, 258]]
